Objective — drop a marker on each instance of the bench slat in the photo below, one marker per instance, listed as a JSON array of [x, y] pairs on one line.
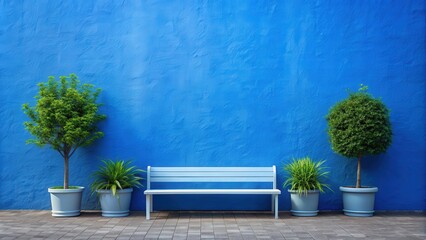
[[212, 179], [212, 191], [211, 174], [214, 169]]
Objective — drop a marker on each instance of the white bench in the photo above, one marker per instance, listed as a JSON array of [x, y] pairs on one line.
[[211, 174]]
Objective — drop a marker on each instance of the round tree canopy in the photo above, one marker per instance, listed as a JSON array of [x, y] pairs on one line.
[[359, 125], [65, 116]]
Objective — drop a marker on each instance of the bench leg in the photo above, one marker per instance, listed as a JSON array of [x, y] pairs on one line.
[[276, 206], [152, 203], [148, 207]]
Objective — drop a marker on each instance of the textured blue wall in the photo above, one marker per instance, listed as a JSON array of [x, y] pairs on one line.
[[216, 83]]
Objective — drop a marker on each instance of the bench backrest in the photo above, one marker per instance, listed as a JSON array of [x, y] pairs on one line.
[[211, 174]]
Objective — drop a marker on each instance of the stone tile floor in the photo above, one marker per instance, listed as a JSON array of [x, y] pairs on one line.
[[211, 225]]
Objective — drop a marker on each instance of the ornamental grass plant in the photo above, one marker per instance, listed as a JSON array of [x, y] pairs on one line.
[[305, 175], [116, 175]]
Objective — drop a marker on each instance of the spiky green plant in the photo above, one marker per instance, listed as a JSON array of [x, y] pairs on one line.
[[115, 175], [305, 175]]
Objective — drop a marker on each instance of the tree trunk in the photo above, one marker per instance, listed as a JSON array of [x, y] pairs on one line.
[[358, 172], [66, 160]]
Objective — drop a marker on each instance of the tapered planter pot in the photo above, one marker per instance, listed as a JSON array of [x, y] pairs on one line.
[[66, 202], [115, 206], [358, 202], [304, 205]]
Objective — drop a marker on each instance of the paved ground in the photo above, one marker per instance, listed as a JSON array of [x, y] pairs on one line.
[[211, 225]]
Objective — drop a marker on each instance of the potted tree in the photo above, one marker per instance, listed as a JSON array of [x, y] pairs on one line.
[[305, 181], [114, 183], [64, 117], [358, 126]]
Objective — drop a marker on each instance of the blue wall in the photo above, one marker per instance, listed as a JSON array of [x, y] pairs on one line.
[[216, 83]]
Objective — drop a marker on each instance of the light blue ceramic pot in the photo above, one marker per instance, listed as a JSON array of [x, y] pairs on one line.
[[304, 205], [358, 202], [66, 202], [115, 206]]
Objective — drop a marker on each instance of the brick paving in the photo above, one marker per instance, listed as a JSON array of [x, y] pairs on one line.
[[212, 225]]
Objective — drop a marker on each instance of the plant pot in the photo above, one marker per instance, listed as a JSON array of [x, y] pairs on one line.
[[304, 205], [358, 202], [66, 202], [115, 206]]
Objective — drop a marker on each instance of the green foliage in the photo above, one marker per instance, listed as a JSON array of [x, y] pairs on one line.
[[65, 115], [305, 175], [359, 125], [116, 175]]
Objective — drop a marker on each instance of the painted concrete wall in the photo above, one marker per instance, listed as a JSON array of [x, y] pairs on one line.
[[216, 83]]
